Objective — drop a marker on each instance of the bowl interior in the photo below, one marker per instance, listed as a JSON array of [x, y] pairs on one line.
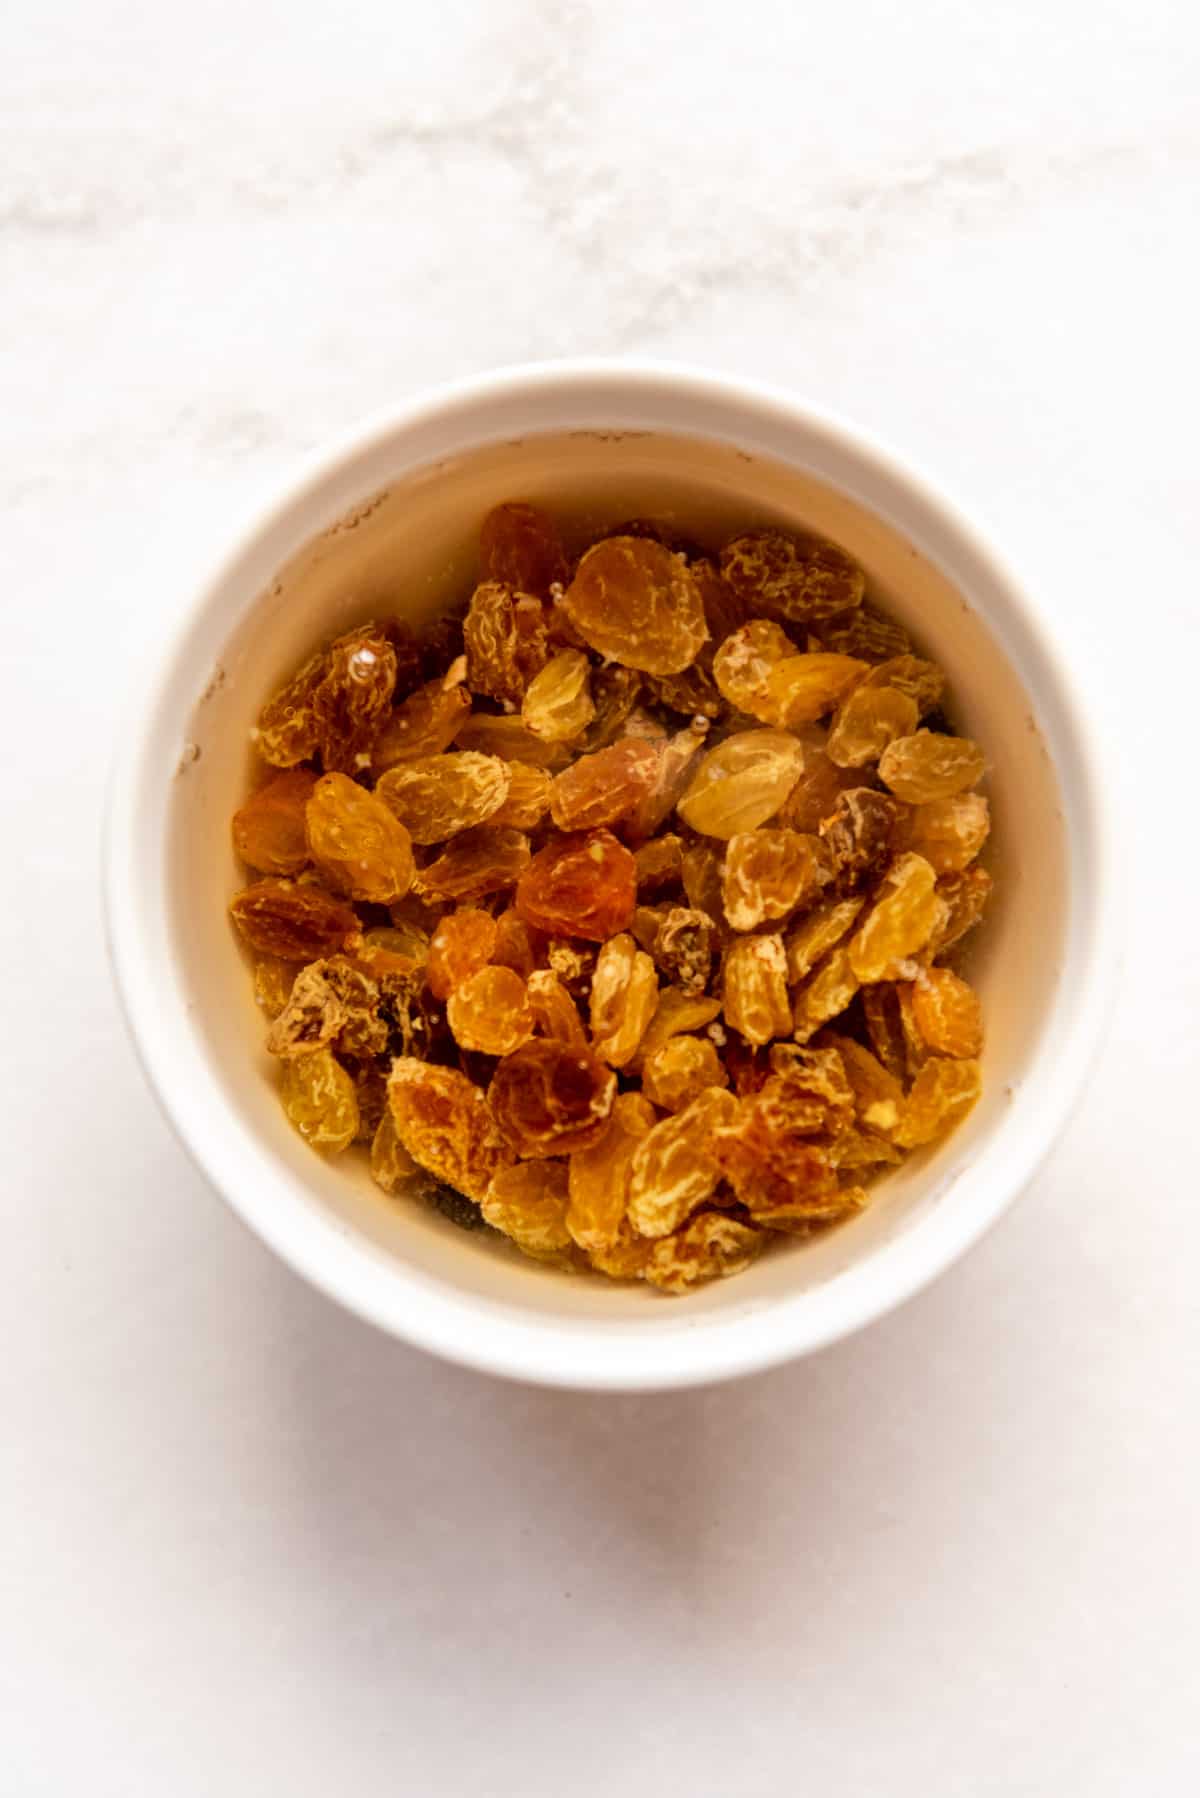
[[409, 548]]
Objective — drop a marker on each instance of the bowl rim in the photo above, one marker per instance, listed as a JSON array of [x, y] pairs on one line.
[[513, 1343]]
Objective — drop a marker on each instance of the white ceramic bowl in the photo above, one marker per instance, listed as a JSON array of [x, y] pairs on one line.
[[388, 521]]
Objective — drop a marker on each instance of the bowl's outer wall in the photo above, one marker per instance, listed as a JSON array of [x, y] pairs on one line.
[[390, 526]]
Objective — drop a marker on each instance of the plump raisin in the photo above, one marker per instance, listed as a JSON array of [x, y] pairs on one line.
[[580, 886], [762, 674], [677, 1012], [623, 1000], [965, 897], [558, 704], [507, 640], [352, 702], [359, 845], [489, 1012], [817, 932], [948, 1014], [553, 1009], [602, 787], [768, 873], [923, 682], [528, 1203], [678, 759], [867, 720], [520, 545], [745, 658], [741, 783], [825, 994], [798, 578], [598, 1177], [443, 1120], [490, 733], [673, 1167], [635, 603], [709, 1247], [442, 795], [462, 944], [268, 831], [296, 923], [930, 766], [318, 1097], [949, 833], [684, 1067], [392, 1167], [942, 1094], [900, 921], [754, 988], [528, 798], [273, 980], [477, 862], [287, 730], [774, 1153], [551, 1099], [424, 724]]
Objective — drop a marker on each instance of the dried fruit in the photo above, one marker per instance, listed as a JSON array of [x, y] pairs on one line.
[[386, 949], [528, 797], [625, 1259], [821, 782], [572, 962], [745, 658], [859, 831], [922, 681], [600, 788], [768, 873], [754, 988], [268, 831], [680, 940], [678, 758], [551, 1099], [742, 782], [437, 797], [424, 724], [710, 1247], [461, 945], [949, 833], [673, 1167], [676, 1013], [580, 886], [703, 868], [296, 923], [724, 612], [598, 1177], [490, 733], [273, 983], [878, 1093], [624, 999], [948, 1014], [867, 720], [515, 946], [659, 863], [930, 766], [691, 692], [615, 694], [352, 702], [682, 1068], [866, 633], [825, 994], [507, 639], [636, 603], [520, 545], [558, 702], [331, 1001], [318, 1097], [818, 932], [286, 732], [488, 1012], [357, 843], [942, 1094], [528, 1203], [799, 577], [476, 862], [392, 1167], [553, 1009], [443, 1120], [965, 897], [899, 922], [773, 1154]]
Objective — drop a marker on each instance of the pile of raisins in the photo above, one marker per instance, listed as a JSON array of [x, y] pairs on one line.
[[617, 912]]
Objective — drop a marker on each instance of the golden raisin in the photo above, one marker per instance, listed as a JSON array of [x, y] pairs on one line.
[[318, 1097], [441, 795], [528, 798], [948, 1014], [676, 1013], [885, 1027], [598, 1177], [754, 988], [424, 724], [771, 1151], [929, 766], [817, 932], [702, 867], [859, 830], [477, 862], [965, 897], [680, 940], [801, 578], [942, 1094], [352, 702], [659, 862], [392, 1167], [878, 1093], [709, 1247], [548, 1098], [899, 922], [331, 1001], [558, 702], [678, 758], [867, 720], [388, 949], [825, 994], [463, 943], [635, 603], [443, 1120], [491, 733], [724, 612], [296, 923], [520, 545], [507, 641], [742, 782], [615, 694], [867, 633], [359, 846], [691, 692], [949, 833], [273, 983], [553, 1009], [268, 831], [528, 1202], [768, 873], [624, 999], [600, 788], [813, 798], [580, 886], [673, 1167], [682, 1068], [515, 947], [488, 1012], [286, 732], [922, 681]]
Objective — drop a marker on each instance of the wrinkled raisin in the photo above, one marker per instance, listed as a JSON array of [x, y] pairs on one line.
[[268, 831], [825, 994], [598, 1177], [930, 766], [443, 1120], [673, 1166], [558, 702], [359, 845], [553, 1009], [477, 862], [528, 1203], [318, 1097], [551, 1099], [462, 944], [352, 702], [685, 1066], [296, 923], [520, 545], [768, 873], [331, 1002], [942, 1094], [424, 724], [709, 1247], [949, 833], [623, 1000], [799, 577], [489, 1012], [636, 603], [441, 795], [602, 787], [948, 1014], [754, 988], [507, 640], [817, 932], [899, 922], [867, 720], [742, 782], [581, 886]]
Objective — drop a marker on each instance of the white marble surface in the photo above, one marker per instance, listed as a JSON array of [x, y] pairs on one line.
[[247, 1545]]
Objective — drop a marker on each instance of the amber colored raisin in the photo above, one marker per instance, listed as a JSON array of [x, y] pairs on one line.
[[724, 612], [358, 844], [859, 831], [948, 1014], [598, 1177], [965, 897], [318, 1097], [558, 702], [867, 633], [392, 1167], [551, 1099], [772, 1154], [867, 720], [623, 1000], [268, 831], [678, 758], [798, 577], [929, 766], [635, 603], [673, 1166], [691, 692], [286, 732], [942, 1094], [659, 862], [709, 1247], [817, 932], [297, 923], [516, 946], [273, 980], [331, 1001], [899, 922], [424, 724], [820, 783], [553, 1009], [388, 949], [702, 868], [680, 939], [528, 797], [439, 796], [744, 659], [490, 733], [677, 1012], [528, 1203], [825, 994], [625, 1259], [742, 782], [683, 1067], [922, 681], [574, 963], [949, 833], [768, 873], [443, 1120], [352, 702], [476, 862], [519, 544], [462, 944], [580, 886], [602, 787], [754, 988], [507, 641], [813, 1075], [488, 1012]]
